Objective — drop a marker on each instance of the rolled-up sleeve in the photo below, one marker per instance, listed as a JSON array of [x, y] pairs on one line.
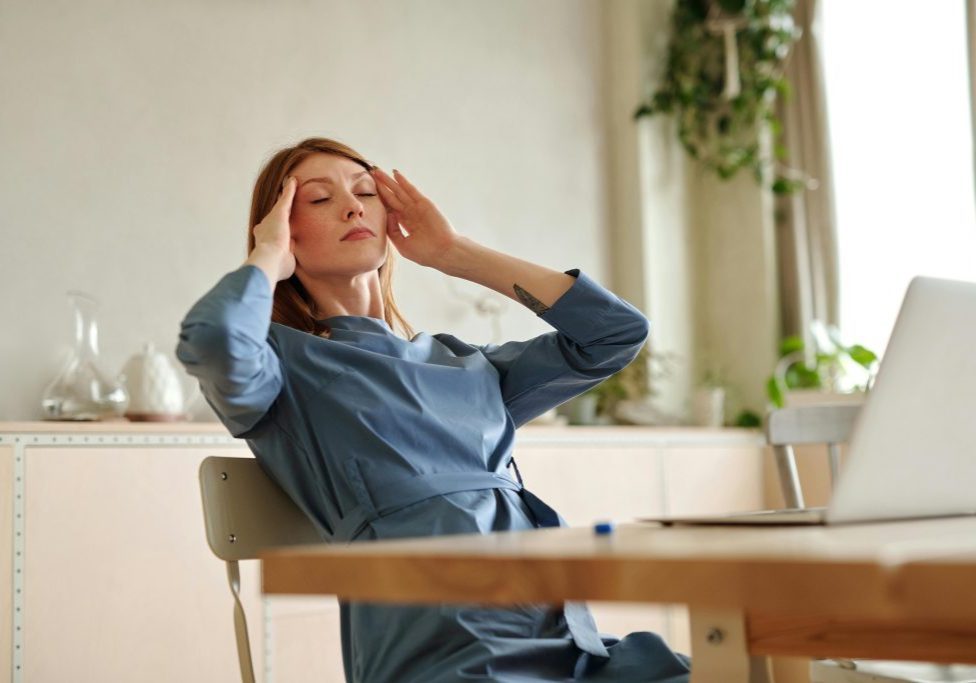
[[597, 334], [223, 342]]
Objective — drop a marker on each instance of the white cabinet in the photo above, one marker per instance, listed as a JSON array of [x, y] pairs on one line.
[[112, 578]]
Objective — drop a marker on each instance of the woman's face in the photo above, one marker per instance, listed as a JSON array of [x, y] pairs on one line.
[[336, 195]]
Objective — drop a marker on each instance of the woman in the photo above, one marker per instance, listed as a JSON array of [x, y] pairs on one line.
[[376, 435]]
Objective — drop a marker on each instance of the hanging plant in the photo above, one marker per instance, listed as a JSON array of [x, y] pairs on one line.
[[723, 75]]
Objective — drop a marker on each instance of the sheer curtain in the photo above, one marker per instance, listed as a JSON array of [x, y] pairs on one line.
[[898, 96], [806, 220]]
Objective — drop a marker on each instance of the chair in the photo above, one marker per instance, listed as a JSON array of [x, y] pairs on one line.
[[832, 424], [814, 424], [244, 512]]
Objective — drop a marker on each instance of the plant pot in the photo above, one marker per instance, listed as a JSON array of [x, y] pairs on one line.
[[808, 397]]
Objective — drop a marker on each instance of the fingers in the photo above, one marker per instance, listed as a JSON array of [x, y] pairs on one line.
[[389, 195], [287, 195], [407, 185], [399, 187], [393, 227]]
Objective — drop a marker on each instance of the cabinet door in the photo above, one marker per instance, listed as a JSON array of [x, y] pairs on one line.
[[713, 480], [6, 566], [120, 584], [306, 646], [587, 484], [709, 481]]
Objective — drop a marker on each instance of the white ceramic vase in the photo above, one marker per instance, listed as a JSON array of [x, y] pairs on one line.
[[155, 388]]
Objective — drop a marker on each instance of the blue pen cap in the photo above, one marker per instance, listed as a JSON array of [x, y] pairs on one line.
[[603, 528]]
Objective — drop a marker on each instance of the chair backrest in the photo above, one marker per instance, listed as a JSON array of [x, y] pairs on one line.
[[244, 512], [826, 423], [829, 424]]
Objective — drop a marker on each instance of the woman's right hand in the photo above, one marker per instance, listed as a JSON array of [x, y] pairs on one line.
[[273, 243]]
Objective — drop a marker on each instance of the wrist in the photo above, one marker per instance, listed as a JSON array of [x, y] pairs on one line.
[[457, 259], [268, 258]]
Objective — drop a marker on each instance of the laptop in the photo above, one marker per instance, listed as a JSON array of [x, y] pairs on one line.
[[912, 452]]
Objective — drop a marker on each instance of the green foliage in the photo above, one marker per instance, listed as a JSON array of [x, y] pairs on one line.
[[631, 382], [748, 418], [722, 132], [792, 372]]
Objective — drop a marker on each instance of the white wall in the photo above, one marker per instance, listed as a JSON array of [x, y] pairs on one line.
[[131, 133]]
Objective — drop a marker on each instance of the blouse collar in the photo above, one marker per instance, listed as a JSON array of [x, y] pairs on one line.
[[355, 322]]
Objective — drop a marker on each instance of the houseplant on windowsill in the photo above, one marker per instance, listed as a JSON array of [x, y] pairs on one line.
[[833, 372]]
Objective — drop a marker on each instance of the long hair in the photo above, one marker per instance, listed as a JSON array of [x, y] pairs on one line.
[[293, 306]]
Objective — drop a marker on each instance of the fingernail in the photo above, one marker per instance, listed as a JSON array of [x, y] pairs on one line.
[[396, 171]]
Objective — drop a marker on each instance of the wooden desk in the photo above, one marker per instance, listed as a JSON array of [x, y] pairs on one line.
[[897, 590]]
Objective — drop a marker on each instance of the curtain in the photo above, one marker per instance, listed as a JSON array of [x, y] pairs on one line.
[[805, 220], [971, 49]]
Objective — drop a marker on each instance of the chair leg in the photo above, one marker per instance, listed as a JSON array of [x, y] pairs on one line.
[[789, 480], [240, 624], [834, 451]]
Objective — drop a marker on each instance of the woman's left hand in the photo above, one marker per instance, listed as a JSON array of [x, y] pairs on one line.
[[429, 234]]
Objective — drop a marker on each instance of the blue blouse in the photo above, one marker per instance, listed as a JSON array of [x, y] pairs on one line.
[[376, 436]]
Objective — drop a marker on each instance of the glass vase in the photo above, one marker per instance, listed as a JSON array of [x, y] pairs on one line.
[[82, 390]]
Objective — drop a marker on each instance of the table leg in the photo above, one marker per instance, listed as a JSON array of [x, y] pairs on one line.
[[719, 651]]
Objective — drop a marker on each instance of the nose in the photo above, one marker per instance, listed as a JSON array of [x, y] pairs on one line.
[[353, 208]]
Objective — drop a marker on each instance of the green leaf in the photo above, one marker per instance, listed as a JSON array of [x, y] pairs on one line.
[[696, 8], [748, 418], [789, 345], [862, 356], [799, 376], [774, 392], [732, 6]]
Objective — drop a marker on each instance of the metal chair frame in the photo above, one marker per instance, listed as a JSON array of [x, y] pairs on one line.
[[245, 512]]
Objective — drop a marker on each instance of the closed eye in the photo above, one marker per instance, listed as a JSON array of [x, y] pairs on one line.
[[363, 194]]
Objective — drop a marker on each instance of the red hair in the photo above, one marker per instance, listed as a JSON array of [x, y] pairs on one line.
[[292, 304]]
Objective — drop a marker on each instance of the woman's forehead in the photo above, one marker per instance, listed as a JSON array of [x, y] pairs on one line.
[[327, 165]]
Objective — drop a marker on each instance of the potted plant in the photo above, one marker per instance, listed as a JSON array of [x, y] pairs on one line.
[[832, 367], [624, 397], [723, 74]]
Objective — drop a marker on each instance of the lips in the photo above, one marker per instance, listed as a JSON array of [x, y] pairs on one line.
[[358, 230]]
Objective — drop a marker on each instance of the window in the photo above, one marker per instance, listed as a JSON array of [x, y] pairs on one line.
[[901, 143]]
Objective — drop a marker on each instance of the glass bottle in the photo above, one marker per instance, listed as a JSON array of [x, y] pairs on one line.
[[82, 391]]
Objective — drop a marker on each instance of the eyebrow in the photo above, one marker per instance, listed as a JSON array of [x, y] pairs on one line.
[[329, 180]]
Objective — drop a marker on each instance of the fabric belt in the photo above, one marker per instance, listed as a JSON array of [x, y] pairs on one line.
[[400, 493]]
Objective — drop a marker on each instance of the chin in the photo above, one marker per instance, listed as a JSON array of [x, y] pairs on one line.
[[325, 267]]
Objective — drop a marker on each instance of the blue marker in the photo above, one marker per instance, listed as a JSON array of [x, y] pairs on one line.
[[603, 528]]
